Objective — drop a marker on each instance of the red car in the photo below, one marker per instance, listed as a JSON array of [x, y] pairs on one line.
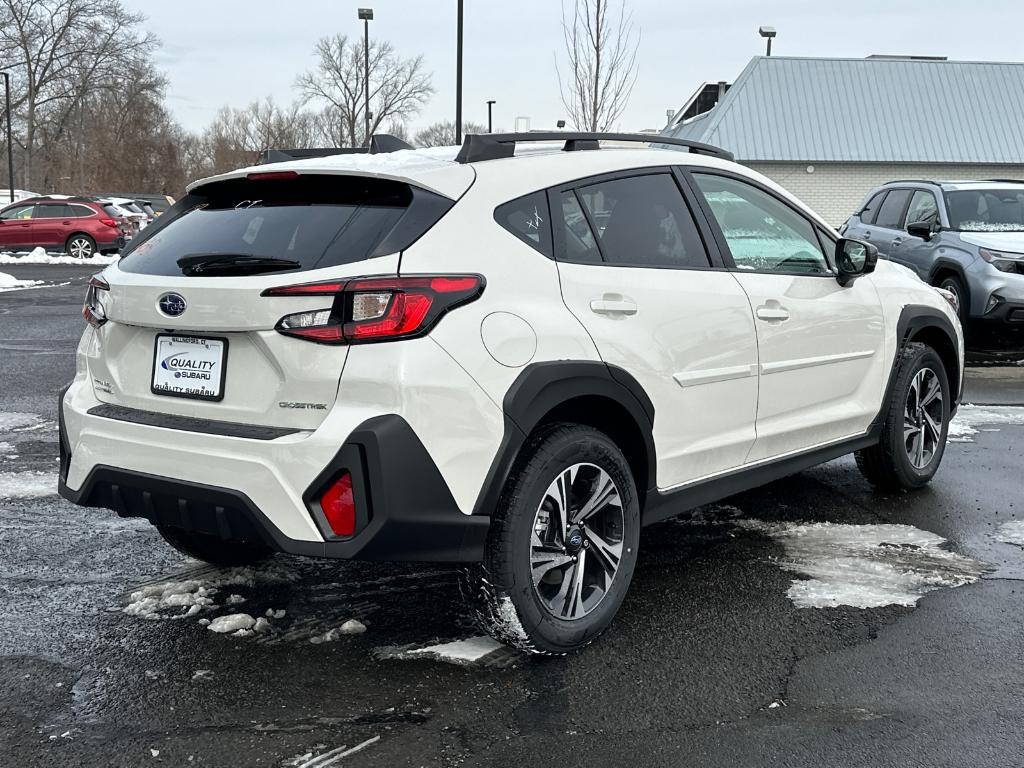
[[76, 225]]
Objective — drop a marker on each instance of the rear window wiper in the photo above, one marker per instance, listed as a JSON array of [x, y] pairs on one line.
[[233, 264]]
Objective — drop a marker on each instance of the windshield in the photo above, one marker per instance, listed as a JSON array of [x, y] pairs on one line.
[[986, 210]]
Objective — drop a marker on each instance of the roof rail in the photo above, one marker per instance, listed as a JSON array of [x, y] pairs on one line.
[[493, 146], [380, 143], [913, 181], [1005, 181]]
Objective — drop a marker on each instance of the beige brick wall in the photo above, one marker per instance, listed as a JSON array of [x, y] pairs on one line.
[[835, 189]]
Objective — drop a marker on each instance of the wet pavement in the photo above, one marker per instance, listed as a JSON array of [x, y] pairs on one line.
[[710, 661]]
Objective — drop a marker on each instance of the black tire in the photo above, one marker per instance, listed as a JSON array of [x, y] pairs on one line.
[[889, 465], [213, 549], [955, 285], [502, 591], [80, 246]]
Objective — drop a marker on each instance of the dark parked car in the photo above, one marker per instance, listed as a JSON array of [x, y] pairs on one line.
[[76, 225]]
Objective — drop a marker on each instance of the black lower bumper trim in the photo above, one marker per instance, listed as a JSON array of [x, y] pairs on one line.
[[189, 423], [411, 514]]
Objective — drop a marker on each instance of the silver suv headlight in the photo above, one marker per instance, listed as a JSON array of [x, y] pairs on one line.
[[1004, 262]]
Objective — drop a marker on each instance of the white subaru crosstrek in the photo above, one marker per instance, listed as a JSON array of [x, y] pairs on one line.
[[510, 359]]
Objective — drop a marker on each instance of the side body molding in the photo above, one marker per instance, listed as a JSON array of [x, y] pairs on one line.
[[540, 389]]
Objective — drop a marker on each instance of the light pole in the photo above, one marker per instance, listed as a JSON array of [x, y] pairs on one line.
[[458, 77], [366, 14], [767, 33], [490, 124], [10, 136]]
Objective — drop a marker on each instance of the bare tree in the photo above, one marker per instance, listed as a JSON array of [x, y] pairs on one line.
[[398, 87], [601, 49], [443, 134], [61, 52]]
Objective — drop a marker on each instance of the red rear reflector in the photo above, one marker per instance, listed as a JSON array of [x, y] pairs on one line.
[[272, 175], [339, 506], [307, 289]]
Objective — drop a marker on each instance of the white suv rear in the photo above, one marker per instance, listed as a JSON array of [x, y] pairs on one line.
[[512, 360]]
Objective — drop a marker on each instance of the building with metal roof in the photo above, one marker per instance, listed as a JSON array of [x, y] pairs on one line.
[[831, 129]]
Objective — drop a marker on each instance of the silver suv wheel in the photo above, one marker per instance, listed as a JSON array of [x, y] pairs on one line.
[[922, 418]]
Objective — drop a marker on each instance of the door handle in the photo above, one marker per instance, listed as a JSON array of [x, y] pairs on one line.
[[613, 304], [867, 235], [897, 240], [772, 312]]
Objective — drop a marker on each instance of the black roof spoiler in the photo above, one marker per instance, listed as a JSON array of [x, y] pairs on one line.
[[380, 143], [492, 146]]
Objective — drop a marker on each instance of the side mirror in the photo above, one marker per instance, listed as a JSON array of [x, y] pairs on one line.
[[922, 229], [853, 259]]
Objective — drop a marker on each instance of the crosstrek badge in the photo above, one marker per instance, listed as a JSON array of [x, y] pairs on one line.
[[189, 366]]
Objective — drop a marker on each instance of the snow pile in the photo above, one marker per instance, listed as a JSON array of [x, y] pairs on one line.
[[12, 421], [350, 627], [181, 598], [231, 623], [27, 485], [11, 283], [40, 256], [866, 566], [964, 425], [1011, 533], [467, 651]]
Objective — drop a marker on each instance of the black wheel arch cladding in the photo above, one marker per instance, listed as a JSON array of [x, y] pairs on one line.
[[594, 393]]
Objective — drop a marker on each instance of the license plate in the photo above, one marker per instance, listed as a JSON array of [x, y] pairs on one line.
[[189, 366]]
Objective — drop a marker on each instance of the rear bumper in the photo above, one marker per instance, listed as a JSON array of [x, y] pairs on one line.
[[406, 511]]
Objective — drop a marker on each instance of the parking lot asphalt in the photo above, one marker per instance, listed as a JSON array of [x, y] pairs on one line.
[[721, 655]]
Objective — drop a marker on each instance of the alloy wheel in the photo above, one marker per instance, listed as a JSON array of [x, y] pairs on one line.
[[80, 248], [577, 540], [922, 418]]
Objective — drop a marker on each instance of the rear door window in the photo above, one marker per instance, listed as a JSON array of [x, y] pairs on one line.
[[314, 221], [81, 211], [868, 213], [527, 218], [52, 211], [643, 221], [890, 214]]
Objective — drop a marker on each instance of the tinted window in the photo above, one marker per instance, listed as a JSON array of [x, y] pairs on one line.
[[579, 239], [17, 212], [527, 219], [868, 213], [51, 212], [923, 207], [81, 210], [317, 221], [763, 233], [644, 221], [113, 210], [890, 214]]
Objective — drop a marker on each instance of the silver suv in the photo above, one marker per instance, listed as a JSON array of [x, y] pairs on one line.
[[964, 236]]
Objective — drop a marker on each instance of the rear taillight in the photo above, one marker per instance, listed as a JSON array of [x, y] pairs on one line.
[[339, 506], [109, 222], [92, 310], [376, 308]]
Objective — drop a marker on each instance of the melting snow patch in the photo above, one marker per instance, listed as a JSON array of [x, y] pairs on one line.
[[181, 598], [40, 256], [467, 651], [9, 421], [11, 283], [1011, 533], [866, 566], [234, 622], [963, 426], [350, 627], [27, 485]]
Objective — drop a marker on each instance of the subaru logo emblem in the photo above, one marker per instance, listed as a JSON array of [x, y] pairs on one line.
[[575, 539], [172, 304]]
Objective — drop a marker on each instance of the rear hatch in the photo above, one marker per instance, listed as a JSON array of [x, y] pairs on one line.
[[189, 331]]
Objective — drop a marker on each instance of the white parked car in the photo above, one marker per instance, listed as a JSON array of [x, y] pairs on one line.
[[508, 360]]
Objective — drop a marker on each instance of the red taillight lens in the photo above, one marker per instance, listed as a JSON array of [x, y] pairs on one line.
[[109, 222], [339, 506], [376, 308], [92, 310]]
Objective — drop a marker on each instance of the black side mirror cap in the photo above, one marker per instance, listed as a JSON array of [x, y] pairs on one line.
[[854, 258], [922, 229]]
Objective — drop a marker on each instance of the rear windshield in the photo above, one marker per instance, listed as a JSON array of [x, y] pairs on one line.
[[316, 221]]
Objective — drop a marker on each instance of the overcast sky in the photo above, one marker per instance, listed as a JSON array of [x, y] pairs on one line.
[[218, 52]]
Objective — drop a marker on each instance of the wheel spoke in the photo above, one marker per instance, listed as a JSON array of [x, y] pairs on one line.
[[933, 426], [920, 449], [573, 606], [604, 493], [932, 391], [544, 562], [607, 553]]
